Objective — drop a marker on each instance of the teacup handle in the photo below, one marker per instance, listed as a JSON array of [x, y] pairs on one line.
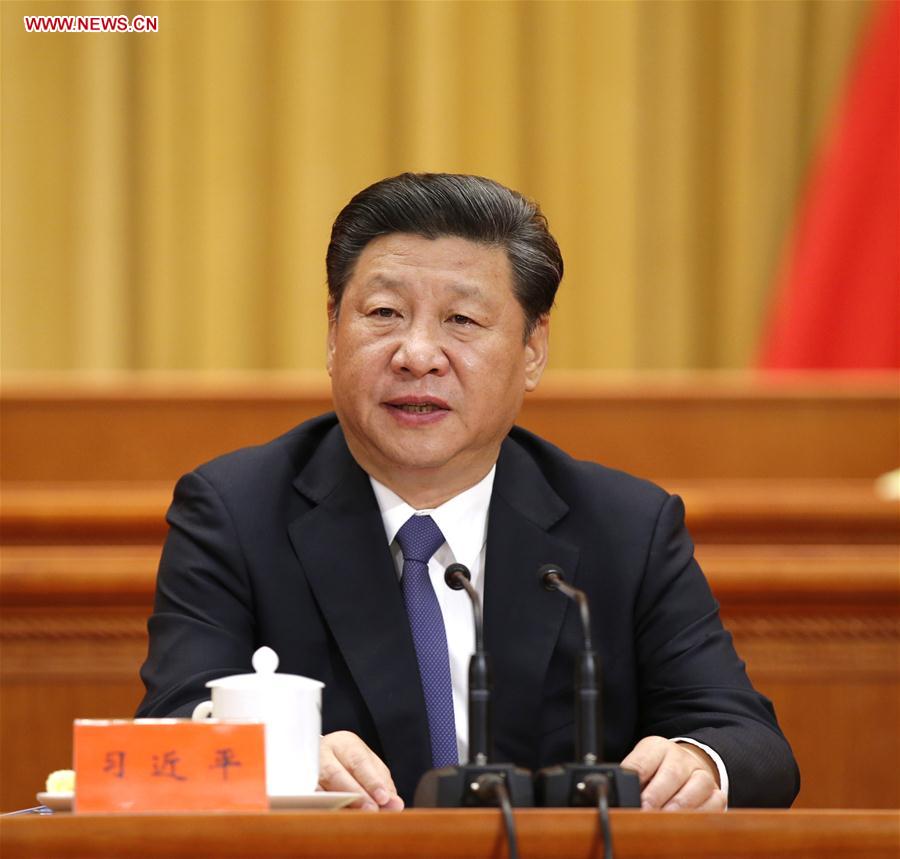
[[202, 711]]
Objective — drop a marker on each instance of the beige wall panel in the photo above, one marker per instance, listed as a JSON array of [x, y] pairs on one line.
[[603, 272], [233, 177], [552, 42], [307, 121], [40, 113], [833, 36], [762, 137], [101, 262], [159, 299], [493, 104], [429, 51], [167, 197], [668, 184]]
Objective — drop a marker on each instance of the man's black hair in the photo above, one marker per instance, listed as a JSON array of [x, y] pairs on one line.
[[433, 205]]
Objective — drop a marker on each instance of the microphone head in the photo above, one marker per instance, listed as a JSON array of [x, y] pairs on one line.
[[452, 576], [549, 575]]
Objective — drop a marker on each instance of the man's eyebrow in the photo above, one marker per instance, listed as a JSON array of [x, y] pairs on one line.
[[466, 290], [383, 281]]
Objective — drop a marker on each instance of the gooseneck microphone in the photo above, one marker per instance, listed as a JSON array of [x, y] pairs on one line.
[[586, 781], [588, 705], [459, 578], [479, 782]]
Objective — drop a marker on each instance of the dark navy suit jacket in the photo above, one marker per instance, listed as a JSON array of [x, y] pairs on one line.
[[284, 545]]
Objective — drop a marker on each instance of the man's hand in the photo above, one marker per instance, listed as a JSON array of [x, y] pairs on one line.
[[347, 763], [675, 776]]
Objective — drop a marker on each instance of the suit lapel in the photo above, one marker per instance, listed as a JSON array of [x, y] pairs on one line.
[[522, 620], [342, 548]]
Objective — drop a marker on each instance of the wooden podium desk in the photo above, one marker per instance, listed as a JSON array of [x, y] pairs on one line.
[[446, 834]]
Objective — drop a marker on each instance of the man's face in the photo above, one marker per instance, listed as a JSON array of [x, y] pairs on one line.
[[427, 361]]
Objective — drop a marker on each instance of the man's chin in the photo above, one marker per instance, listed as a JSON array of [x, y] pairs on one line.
[[392, 453], [416, 461]]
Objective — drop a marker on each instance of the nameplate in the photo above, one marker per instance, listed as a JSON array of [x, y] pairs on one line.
[[124, 765]]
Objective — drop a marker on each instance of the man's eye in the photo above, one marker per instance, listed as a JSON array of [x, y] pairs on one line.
[[384, 312], [459, 319]]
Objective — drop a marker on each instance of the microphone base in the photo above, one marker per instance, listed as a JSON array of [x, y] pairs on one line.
[[451, 787], [558, 786]]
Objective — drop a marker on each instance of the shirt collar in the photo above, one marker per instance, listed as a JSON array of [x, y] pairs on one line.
[[462, 519]]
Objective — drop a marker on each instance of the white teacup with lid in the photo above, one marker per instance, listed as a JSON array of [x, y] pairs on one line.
[[291, 708]]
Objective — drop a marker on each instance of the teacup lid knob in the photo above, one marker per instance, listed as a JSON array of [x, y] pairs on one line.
[[265, 661]]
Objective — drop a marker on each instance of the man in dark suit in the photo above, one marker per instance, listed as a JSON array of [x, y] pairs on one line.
[[329, 543]]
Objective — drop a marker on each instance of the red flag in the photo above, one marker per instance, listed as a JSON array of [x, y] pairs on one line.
[[838, 297]]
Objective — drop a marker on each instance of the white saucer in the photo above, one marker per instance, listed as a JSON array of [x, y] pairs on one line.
[[321, 799], [57, 801]]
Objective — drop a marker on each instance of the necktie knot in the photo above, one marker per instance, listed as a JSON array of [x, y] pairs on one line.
[[419, 538]]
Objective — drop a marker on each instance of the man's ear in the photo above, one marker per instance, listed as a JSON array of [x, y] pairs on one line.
[[537, 351], [330, 338]]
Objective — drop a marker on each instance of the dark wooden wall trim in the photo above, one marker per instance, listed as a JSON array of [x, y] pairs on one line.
[[718, 511], [700, 425], [819, 628], [777, 476]]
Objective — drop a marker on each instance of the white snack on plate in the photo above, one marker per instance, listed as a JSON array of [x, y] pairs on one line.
[[61, 781]]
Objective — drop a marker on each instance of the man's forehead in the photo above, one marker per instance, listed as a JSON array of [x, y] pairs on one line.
[[389, 257]]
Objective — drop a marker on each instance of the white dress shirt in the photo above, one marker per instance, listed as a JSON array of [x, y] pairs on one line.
[[463, 522]]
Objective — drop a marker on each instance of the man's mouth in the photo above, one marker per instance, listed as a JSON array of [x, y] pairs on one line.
[[417, 408]]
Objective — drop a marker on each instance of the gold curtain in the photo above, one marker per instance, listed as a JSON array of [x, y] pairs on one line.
[[166, 198]]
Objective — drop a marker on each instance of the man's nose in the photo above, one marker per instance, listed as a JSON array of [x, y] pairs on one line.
[[420, 351]]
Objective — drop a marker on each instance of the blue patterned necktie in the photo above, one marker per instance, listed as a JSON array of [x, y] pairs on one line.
[[419, 539]]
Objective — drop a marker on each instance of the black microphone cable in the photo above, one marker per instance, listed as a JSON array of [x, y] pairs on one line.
[[492, 788], [598, 784]]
